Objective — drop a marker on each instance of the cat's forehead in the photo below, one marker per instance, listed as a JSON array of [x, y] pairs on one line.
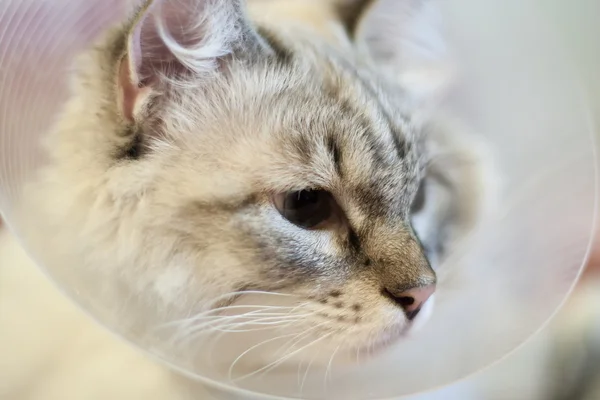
[[316, 123]]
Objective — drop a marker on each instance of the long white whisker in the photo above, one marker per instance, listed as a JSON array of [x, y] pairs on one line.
[[207, 321], [306, 374], [232, 366], [259, 318], [229, 295], [300, 306], [242, 306], [276, 363], [264, 328], [282, 314], [188, 332], [247, 292], [216, 338], [213, 343], [265, 321], [206, 315], [300, 364], [290, 344], [277, 321], [299, 338], [251, 318], [216, 319], [328, 371]]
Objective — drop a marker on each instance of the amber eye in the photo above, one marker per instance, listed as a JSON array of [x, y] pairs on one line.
[[308, 209]]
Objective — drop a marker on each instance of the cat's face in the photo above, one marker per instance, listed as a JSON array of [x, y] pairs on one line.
[[303, 188], [265, 177]]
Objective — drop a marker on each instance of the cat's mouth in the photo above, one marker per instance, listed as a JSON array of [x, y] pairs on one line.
[[398, 332], [385, 341], [375, 347]]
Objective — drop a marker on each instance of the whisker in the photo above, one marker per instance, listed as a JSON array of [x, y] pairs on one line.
[[252, 319], [249, 319], [226, 322], [300, 306], [298, 378], [237, 307], [278, 362], [277, 321], [188, 332], [265, 320], [218, 337], [246, 292], [306, 374], [206, 315], [328, 371], [231, 367], [256, 318], [290, 344], [266, 328], [299, 338]]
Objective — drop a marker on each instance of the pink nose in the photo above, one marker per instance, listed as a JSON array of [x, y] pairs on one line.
[[411, 300]]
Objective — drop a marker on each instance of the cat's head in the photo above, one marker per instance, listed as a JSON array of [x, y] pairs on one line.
[[208, 166]]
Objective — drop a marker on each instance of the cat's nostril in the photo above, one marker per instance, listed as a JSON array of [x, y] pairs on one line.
[[406, 301], [412, 314], [411, 300], [403, 301]]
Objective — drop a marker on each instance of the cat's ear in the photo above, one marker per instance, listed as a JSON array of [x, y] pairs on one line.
[[405, 39], [171, 41]]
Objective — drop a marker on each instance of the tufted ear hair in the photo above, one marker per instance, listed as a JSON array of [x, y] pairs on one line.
[[171, 40], [405, 39]]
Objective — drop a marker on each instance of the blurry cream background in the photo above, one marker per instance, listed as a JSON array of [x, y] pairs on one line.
[[527, 374], [531, 372]]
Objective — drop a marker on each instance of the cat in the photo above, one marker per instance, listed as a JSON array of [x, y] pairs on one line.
[[216, 160]]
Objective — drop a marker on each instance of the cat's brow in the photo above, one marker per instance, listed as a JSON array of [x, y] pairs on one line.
[[227, 206], [397, 137], [347, 105], [336, 155], [363, 125]]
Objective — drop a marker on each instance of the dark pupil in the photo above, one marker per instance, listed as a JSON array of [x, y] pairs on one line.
[[307, 208]]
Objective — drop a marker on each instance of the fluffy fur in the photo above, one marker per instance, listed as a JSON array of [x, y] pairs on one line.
[[185, 122]]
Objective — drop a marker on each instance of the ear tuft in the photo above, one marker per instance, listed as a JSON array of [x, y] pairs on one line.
[[171, 41], [132, 95]]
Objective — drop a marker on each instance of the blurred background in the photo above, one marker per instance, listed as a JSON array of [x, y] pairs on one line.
[[562, 362]]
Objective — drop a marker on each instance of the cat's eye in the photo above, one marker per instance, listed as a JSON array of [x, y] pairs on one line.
[[308, 209], [419, 200]]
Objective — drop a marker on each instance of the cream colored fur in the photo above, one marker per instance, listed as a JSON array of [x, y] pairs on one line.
[[51, 350], [168, 236]]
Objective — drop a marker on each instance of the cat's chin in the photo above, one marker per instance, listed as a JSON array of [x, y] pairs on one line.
[[393, 336]]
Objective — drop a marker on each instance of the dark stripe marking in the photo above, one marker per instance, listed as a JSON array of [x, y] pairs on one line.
[[334, 150]]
